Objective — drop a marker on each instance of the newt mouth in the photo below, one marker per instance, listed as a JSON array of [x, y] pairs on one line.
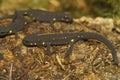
[[2, 34]]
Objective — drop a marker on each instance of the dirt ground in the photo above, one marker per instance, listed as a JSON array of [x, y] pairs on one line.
[[90, 60]]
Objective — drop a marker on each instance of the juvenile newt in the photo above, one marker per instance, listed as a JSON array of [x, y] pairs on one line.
[[48, 40], [46, 16]]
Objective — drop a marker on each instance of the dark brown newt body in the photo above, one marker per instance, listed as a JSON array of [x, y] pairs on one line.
[[46, 16], [48, 40]]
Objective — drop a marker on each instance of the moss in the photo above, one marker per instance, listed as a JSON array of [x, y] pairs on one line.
[[105, 8]]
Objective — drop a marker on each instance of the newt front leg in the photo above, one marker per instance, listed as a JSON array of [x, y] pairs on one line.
[[47, 49], [52, 25], [69, 51]]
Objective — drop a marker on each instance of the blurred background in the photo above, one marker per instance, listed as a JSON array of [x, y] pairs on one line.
[[77, 8]]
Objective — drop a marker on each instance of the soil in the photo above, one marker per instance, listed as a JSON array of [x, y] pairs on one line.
[[90, 59]]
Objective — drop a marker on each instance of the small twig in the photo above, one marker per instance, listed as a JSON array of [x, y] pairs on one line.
[[10, 75], [59, 62]]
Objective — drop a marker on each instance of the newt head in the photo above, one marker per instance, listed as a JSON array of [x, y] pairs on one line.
[[67, 18], [30, 40]]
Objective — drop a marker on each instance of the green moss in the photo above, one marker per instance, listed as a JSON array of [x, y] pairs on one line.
[[105, 8]]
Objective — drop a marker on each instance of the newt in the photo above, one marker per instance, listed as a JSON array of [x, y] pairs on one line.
[[19, 21], [13, 27], [46, 16], [48, 40]]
